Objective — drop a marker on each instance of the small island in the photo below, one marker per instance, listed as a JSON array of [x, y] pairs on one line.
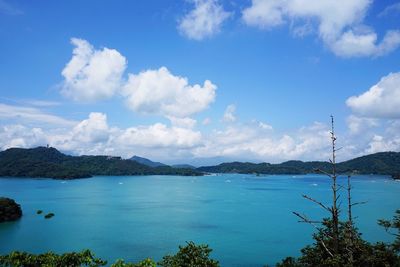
[[9, 210]]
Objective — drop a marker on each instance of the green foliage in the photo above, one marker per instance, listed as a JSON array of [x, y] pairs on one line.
[[143, 263], [191, 255], [49, 162], [9, 210], [363, 253], [288, 262], [393, 227], [50, 259], [378, 163]]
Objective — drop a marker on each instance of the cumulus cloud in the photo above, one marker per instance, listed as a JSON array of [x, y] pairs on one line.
[[339, 24], [358, 124], [239, 141], [381, 144], [159, 92], [229, 114], [92, 74], [92, 130], [365, 44], [380, 101], [94, 136], [254, 141], [17, 135], [183, 122], [264, 14], [159, 136], [205, 20]]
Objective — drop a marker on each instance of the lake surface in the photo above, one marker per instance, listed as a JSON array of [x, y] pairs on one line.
[[246, 220]]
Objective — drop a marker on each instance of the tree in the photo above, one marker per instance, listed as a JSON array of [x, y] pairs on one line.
[[393, 228], [338, 243], [50, 259], [143, 263], [191, 255]]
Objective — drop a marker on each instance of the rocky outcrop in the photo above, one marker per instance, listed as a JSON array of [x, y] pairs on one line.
[[9, 210]]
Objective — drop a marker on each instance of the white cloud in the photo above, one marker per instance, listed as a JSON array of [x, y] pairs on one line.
[[183, 122], [205, 20], [159, 92], [253, 141], [93, 136], [380, 101], [17, 135], [250, 142], [365, 44], [229, 114], [29, 115], [338, 22], [381, 144], [92, 74], [92, 130], [358, 125], [89, 136], [159, 136], [264, 14], [265, 126], [97, 74]]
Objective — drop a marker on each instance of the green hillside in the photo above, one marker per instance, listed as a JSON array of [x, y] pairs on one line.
[[387, 163], [50, 163]]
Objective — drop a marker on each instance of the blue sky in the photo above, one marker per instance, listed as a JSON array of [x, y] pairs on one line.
[[180, 81]]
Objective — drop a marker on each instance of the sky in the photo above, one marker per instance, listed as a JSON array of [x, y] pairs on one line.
[[201, 81]]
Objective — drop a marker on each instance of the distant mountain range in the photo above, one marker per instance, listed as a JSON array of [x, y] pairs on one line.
[[186, 166], [50, 163], [386, 163]]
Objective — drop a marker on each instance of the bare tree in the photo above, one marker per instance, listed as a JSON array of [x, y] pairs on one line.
[[333, 210]]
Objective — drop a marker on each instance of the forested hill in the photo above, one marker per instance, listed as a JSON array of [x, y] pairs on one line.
[[50, 163], [378, 163]]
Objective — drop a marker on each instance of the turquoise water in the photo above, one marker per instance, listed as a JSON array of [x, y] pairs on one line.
[[246, 219]]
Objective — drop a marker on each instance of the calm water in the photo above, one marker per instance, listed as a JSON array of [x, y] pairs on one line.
[[247, 220]]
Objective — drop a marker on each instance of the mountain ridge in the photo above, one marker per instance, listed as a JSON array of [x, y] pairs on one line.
[[147, 162], [385, 163], [48, 162]]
